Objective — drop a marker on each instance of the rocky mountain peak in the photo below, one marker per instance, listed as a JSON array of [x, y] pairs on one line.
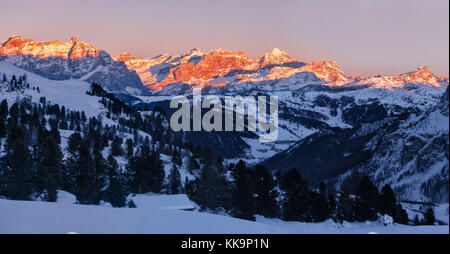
[[326, 70], [73, 49], [420, 75], [73, 59], [275, 56]]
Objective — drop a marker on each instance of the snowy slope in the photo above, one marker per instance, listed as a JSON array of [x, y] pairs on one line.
[[68, 93], [41, 217], [72, 95]]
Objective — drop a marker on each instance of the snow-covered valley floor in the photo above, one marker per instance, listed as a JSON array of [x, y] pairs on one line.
[[37, 217]]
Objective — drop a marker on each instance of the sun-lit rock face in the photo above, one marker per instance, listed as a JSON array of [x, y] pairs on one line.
[[274, 57], [77, 59], [216, 63], [127, 58], [222, 67], [327, 70], [216, 68], [73, 49], [422, 75], [74, 59]]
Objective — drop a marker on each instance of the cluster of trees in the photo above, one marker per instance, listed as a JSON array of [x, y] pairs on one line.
[[131, 120], [428, 218], [16, 84], [110, 101], [32, 165], [249, 191], [31, 157]]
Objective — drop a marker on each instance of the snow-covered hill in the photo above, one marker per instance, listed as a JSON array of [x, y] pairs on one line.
[[68, 93], [72, 94]]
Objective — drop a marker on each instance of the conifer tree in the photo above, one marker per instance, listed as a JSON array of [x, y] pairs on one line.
[[4, 109], [116, 147], [49, 173], [369, 202], [176, 157], [116, 192], [74, 142], [54, 132], [146, 171], [264, 186], [401, 215], [321, 207], [243, 195], [86, 190], [3, 129], [388, 202], [295, 207], [18, 159], [429, 217], [130, 147], [101, 173], [210, 190], [174, 180], [416, 221]]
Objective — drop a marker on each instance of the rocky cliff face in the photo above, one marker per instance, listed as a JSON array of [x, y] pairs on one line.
[[405, 147], [168, 74], [222, 67], [71, 60], [414, 158]]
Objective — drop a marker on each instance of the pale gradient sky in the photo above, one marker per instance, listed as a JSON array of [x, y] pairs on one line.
[[366, 37]]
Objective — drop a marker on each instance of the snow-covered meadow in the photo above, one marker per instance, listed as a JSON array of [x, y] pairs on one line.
[[160, 214]]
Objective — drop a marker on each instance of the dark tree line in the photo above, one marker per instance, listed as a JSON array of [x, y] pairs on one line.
[[33, 165], [255, 191], [132, 121]]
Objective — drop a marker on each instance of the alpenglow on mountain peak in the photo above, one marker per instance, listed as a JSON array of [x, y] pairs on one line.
[[220, 67], [77, 59], [73, 49], [73, 59]]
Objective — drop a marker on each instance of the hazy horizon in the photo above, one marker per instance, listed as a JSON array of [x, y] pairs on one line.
[[364, 37]]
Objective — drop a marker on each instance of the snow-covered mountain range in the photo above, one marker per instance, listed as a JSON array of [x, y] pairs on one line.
[[223, 68], [393, 128], [71, 60]]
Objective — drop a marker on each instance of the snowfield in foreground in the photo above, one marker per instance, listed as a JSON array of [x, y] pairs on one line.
[[60, 218]]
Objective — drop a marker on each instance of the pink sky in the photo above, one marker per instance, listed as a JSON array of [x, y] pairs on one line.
[[365, 37]]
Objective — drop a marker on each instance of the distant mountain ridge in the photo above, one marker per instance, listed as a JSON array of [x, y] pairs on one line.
[[71, 60], [172, 74], [221, 67]]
